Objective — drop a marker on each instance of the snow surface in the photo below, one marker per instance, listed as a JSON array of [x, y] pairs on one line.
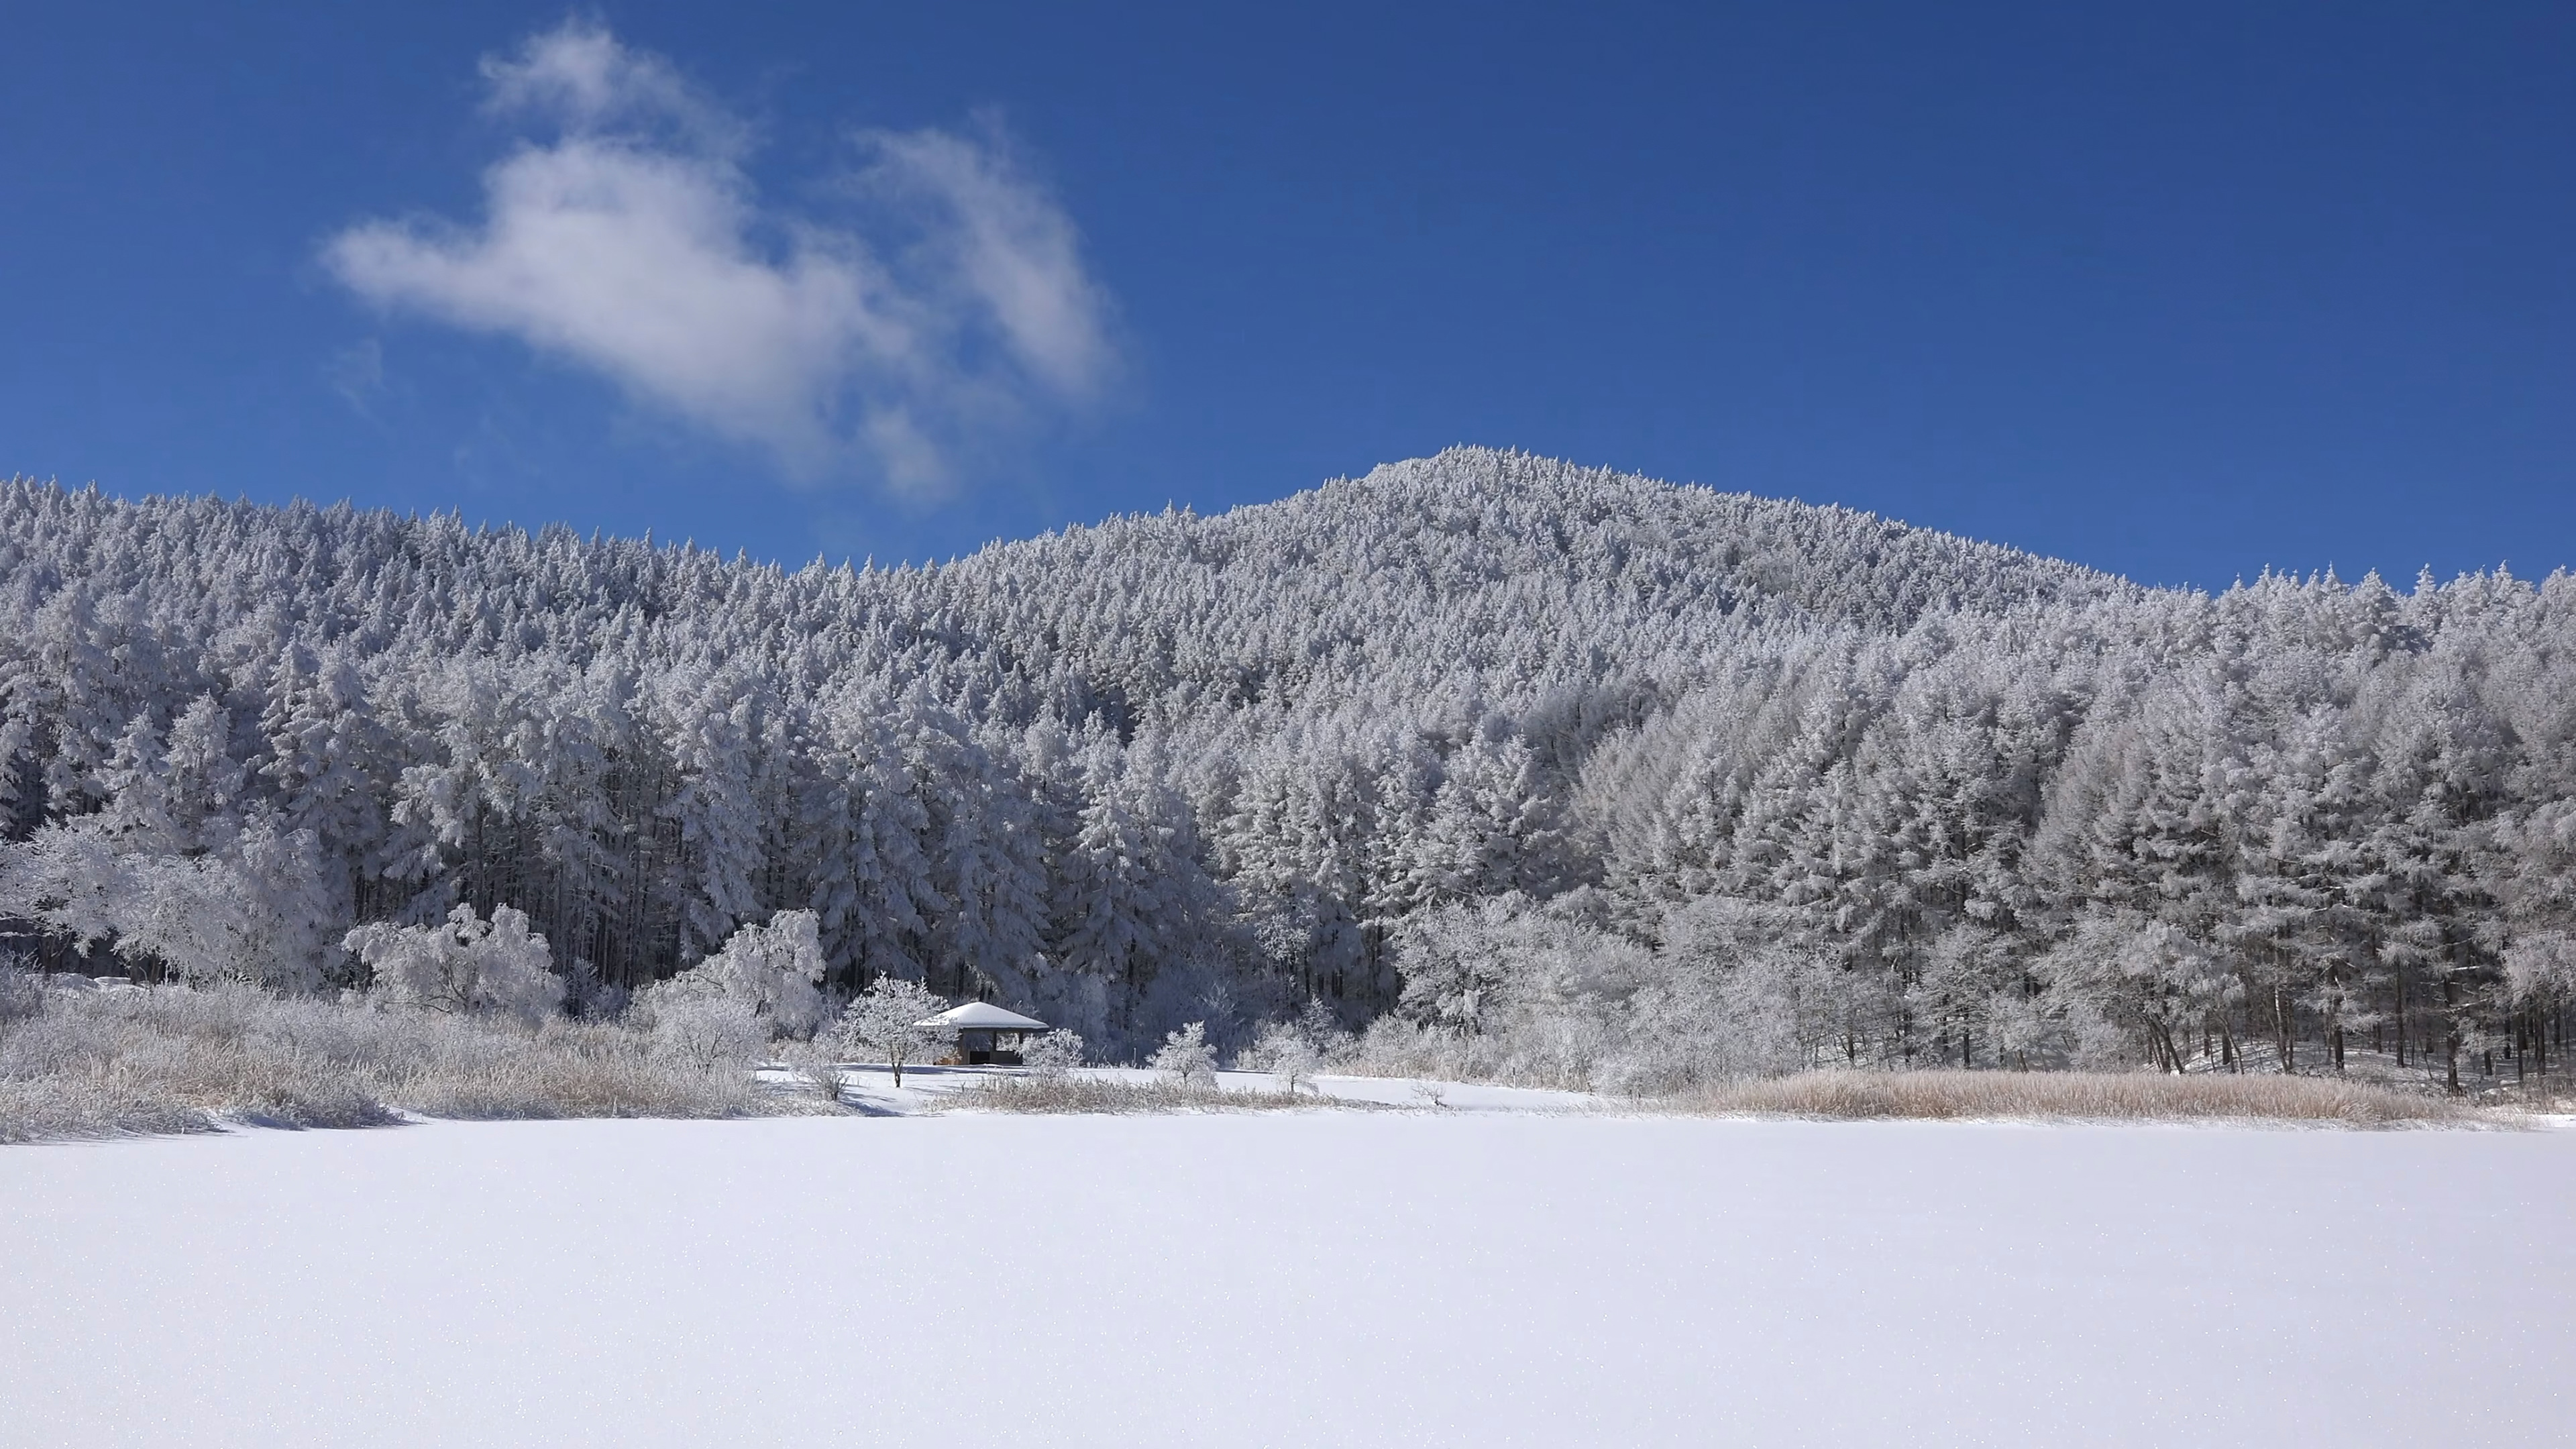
[[1329, 1278]]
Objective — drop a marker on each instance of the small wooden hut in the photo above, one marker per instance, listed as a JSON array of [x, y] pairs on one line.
[[987, 1036]]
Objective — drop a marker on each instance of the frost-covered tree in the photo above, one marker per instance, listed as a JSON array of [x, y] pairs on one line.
[[892, 1021], [1053, 1054], [773, 971], [260, 910], [1286, 1051], [462, 964], [1186, 1057]]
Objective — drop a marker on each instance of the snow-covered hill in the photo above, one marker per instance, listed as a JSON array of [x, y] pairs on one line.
[[1547, 772]]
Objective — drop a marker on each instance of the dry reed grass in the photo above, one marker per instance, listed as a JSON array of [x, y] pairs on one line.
[[93, 1064], [53, 1110], [1094, 1095], [2086, 1096]]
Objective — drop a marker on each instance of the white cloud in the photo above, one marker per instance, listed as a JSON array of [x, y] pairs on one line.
[[1016, 253], [953, 300], [580, 73]]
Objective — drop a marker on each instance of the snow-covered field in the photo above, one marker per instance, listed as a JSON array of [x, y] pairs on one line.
[[1327, 1278]]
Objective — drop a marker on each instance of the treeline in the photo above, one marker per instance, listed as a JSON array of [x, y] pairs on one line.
[[1558, 772]]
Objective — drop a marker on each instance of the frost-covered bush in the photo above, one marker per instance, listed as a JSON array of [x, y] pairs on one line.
[[1285, 1051], [1297, 1048], [463, 964], [1186, 1057], [773, 971], [814, 1066], [1052, 1055], [706, 1032]]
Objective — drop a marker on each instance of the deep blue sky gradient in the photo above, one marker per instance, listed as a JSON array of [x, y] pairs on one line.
[[2177, 290]]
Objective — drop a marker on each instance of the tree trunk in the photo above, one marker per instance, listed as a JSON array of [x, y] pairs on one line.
[[2281, 1031], [2451, 1033], [2401, 1017]]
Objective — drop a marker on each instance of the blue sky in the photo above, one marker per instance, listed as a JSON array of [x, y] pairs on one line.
[[2181, 291]]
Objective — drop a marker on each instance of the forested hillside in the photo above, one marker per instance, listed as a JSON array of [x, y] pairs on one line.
[[1561, 773]]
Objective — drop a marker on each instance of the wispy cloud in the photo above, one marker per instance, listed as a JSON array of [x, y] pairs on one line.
[[357, 374], [946, 297]]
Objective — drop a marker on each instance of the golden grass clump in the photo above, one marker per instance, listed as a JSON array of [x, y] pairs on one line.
[[2086, 1096]]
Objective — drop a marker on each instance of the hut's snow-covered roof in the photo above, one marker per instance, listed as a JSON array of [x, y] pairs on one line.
[[983, 1014]]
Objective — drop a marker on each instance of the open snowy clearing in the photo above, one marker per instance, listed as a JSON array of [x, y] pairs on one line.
[[873, 1088], [1332, 1278]]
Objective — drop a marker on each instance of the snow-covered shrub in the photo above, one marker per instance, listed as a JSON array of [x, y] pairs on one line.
[[1284, 1051], [463, 964], [813, 1066], [1296, 1049], [773, 971], [1185, 1055], [707, 1032], [1054, 1054], [890, 1021]]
